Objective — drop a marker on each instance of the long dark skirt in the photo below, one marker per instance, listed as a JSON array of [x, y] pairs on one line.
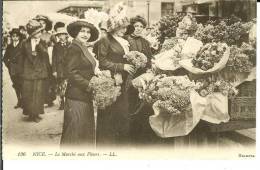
[[33, 93], [50, 94], [113, 124], [141, 132], [79, 124]]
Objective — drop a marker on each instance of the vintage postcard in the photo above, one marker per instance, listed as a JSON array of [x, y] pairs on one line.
[[129, 79]]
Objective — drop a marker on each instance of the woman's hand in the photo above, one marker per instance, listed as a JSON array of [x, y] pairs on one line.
[[129, 68]]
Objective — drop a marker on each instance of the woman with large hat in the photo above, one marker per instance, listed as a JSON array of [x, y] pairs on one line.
[[34, 65], [48, 38], [11, 59], [113, 122], [140, 130], [79, 125]]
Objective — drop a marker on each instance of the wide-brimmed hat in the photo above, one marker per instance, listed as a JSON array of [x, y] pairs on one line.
[[47, 21], [15, 31], [138, 18], [33, 27], [74, 28], [61, 30]]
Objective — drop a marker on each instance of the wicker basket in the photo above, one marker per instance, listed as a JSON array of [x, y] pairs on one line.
[[243, 107]]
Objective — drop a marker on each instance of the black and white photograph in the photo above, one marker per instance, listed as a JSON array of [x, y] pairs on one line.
[[129, 79]]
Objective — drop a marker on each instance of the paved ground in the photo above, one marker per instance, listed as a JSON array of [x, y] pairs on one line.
[[16, 130]]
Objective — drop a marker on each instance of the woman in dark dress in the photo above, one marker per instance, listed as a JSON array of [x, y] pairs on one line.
[[79, 125], [141, 131], [48, 38], [34, 64], [113, 122]]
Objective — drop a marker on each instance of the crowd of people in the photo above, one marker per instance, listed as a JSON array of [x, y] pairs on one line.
[[38, 77]]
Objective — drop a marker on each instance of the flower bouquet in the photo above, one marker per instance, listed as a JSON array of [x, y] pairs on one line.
[[105, 91], [170, 100], [169, 60], [188, 26], [239, 64], [169, 94], [168, 44], [138, 60], [208, 56], [211, 58], [209, 85]]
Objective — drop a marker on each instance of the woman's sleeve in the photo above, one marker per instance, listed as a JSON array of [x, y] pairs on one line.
[[149, 54], [6, 58], [72, 70], [21, 58], [101, 49], [43, 51]]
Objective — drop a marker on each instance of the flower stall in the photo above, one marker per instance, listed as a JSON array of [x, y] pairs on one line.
[[216, 90]]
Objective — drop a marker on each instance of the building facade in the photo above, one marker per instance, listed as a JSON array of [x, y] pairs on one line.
[[152, 10], [78, 9], [244, 9]]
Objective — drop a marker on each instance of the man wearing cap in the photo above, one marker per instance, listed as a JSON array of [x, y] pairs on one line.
[[58, 59], [11, 58], [34, 63]]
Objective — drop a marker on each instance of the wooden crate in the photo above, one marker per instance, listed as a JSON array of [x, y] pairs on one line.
[[243, 106]]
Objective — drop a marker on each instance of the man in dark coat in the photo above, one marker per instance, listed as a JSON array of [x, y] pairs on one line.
[[11, 58], [58, 61]]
